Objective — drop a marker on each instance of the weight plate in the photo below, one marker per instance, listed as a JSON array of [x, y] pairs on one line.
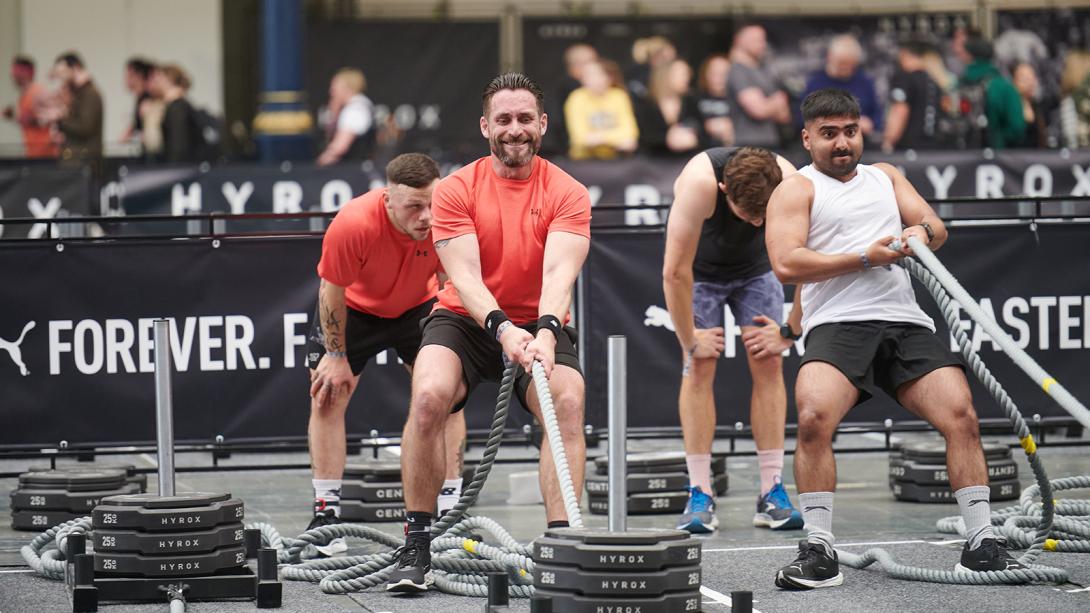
[[935, 474], [377, 471], [633, 551], [177, 501], [915, 492], [63, 500], [371, 512], [667, 603], [626, 584], [720, 484], [40, 521], [371, 491], [640, 482], [658, 462], [162, 515], [227, 535], [643, 504], [934, 452], [73, 480], [114, 563]]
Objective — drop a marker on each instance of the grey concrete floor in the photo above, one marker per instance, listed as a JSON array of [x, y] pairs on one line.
[[739, 557]]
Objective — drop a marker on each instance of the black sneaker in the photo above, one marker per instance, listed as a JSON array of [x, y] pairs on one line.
[[813, 568], [328, 517], [412, 571], [990, 555]]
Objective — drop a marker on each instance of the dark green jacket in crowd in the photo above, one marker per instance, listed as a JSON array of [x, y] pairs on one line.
[[1002, 105]]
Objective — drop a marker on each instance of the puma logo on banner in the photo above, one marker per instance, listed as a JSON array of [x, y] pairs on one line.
[[15, 351], [658, 317]]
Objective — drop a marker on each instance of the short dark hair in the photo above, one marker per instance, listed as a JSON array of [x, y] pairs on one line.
[[829, 102], [512, 81], [978, 46], [412, 169], [70, 59], [750, 176], [916, 46], [140, 66], [23, 60]]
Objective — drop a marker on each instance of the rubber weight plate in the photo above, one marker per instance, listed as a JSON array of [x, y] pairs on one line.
[[658, 462], [377, 471], [640, 482], [372, 491], [63, 500], [934, 452], [40, 521], [632, 550], [73, 480], [644, 504], [197, 541], [935, 474], [667, 603], [176, 565], [626, 584], [371, 512], [167, 513], [131, 475], [915, 492]]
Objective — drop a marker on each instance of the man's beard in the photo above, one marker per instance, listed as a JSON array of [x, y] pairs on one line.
[[518, 160], [835, 170]]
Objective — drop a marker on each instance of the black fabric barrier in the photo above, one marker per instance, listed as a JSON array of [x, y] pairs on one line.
[[41, 192]]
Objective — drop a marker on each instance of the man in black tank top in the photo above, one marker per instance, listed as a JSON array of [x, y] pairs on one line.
[[715, 257]]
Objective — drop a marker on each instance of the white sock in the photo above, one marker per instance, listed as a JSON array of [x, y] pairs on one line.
[[327, 495], [976, 512], [817, 511], [449, 495]]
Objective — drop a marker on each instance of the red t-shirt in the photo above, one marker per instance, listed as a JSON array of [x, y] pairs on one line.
[[383, 270], [511, 218]]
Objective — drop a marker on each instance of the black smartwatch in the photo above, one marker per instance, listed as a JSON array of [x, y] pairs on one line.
[[927, 228], [788, 333]]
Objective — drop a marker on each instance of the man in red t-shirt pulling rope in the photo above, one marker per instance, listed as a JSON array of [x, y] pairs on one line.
[[512, 231]]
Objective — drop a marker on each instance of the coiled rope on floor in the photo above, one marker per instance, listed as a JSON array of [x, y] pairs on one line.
[[941, 284]]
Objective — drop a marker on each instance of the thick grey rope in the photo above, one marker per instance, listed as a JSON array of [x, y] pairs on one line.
[[556, 446]]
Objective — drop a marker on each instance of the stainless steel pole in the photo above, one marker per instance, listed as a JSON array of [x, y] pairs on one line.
[[164, 409], [618, 436]]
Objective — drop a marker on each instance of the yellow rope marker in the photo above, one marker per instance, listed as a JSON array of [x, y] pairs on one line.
[[1050, 544], [1047, 383], [522, 572], [1029, 445], [470, 545]]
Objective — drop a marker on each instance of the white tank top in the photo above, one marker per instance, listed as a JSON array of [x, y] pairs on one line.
[[847, 218]]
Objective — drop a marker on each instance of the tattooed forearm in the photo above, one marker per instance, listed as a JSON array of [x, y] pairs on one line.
[[442, 243], [332, 312]]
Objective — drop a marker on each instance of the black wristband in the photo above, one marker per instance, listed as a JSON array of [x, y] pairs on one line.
[[550, 323], [493, 321]]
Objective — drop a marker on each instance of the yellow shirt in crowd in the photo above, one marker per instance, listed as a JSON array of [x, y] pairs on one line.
[[597, 124]]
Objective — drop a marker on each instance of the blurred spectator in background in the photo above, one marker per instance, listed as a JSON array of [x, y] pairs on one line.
[[30, 110], [145, 126], [1002, 104], [913, 102], [668, 118], [182, 139], [712, 102], [79, 119], [842, 71], [1024, 77], [599, 117], [349, 119], [1075, 100], [757, 102], [648, 54], [576, 57]]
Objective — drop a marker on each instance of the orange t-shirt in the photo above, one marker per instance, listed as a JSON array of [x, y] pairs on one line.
[[511, 218], [36, 139], [383, 270]]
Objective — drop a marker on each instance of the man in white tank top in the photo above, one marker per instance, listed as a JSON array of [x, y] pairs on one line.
[[829, 227]]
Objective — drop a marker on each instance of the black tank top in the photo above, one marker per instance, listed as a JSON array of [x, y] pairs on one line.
[[730, 248]]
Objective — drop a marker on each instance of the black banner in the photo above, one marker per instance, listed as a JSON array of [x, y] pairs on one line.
[[1047, 312], [37, 191]]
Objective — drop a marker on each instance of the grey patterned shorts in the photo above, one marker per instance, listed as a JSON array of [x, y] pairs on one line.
[[747, 298]]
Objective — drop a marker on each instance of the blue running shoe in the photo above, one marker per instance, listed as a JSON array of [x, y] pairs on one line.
[[699, 516], [774, 511]]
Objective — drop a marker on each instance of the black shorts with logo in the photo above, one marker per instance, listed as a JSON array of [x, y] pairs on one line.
[[366, 335], [879, 355], [482, 356]]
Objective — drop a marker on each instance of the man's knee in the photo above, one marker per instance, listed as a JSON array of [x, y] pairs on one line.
[[766, 371], [960, 419], [702, 373], [816, 426], [430, 408]]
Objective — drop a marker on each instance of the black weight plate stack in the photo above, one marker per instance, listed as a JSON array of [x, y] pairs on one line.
[[372, 493], [45, 498], [657, 483], [186, 535], [583, 570], [917, 473]]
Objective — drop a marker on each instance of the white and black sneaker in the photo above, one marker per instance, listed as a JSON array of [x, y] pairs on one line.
[[991, 555], [412, 571], [813, 568], [328, 517]]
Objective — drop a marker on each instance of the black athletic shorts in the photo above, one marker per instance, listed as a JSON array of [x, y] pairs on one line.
[[879, 355], [482, 356], [366, 335]]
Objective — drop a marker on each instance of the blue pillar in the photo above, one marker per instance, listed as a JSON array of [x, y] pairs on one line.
[[283, 123]]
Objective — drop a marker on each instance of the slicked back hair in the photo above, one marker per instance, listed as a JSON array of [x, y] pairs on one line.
[[513, 81], [414, 170]]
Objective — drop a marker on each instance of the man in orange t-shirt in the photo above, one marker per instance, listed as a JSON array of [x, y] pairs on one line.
[[379, 278], [37, 141], [512, 232]]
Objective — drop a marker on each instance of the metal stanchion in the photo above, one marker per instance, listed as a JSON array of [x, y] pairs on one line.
[[164, 409], [618, 426]]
